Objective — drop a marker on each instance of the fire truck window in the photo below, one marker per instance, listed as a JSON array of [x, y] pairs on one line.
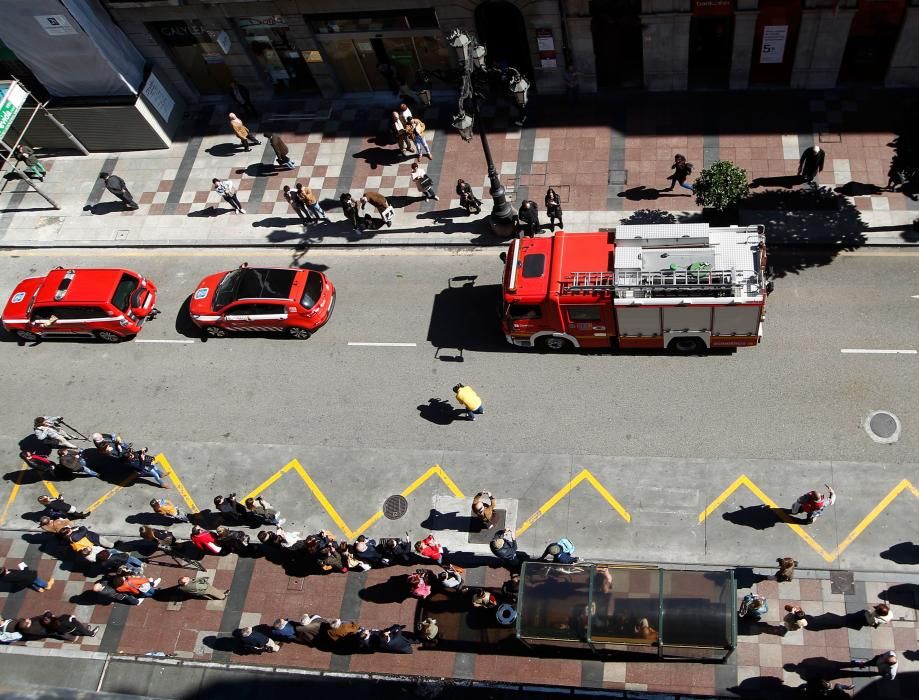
[[584, 313], [534, 265], [69, 313], [523, 311]]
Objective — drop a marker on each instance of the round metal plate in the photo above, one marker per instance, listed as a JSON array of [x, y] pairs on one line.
[[395, 507], [883, 427]]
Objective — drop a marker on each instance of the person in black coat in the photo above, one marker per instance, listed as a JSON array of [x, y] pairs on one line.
[[24, 576], [554, 208], [528, 218], [349, 209], [811, 163], [117, 187]]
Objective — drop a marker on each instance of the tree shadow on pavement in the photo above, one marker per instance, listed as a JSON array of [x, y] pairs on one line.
[[786, 181], [902, 553], [650, 216], [825, 222], [759, 517]]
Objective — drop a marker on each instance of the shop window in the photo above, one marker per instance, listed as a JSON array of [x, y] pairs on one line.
[[268, 37], [196, 53], [373, 21]]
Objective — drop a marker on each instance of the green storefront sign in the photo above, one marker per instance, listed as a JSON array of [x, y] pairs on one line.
[[12, 102]]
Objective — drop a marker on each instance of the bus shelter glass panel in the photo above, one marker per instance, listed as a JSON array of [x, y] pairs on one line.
[[625, 606], [698, 618], [553, 604]]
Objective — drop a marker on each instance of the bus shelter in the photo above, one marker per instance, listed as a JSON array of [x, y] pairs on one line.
[[602, 608]]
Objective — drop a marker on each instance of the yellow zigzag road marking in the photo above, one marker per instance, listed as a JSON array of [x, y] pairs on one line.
[[584, 475], [177, 482], [743, 480], [295, 465], [14, 492]]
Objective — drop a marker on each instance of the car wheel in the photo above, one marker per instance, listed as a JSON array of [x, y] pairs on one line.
[[299, 333], [686, 346], [554, 343], [108, 337], [27, 335], [216, 332]]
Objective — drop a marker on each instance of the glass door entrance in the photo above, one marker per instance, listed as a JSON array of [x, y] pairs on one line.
[[360, 64]]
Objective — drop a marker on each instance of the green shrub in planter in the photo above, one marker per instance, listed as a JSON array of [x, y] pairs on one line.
[[721, 186]]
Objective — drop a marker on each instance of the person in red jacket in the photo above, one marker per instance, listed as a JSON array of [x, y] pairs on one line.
[[429, 548], [204, 540]]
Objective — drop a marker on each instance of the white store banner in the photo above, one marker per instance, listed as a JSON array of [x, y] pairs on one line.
[[773, 43]]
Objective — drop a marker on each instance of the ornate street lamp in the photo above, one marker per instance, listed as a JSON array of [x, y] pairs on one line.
[[471, 57]]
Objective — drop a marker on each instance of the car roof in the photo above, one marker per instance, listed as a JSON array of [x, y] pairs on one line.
[[94, 285], [266, 283]]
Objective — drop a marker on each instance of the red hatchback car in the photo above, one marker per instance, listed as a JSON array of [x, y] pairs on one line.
[[109, 304], [263, 299]]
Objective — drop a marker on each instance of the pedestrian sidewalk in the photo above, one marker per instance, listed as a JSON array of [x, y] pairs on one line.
[[767, 663], [605, 157]]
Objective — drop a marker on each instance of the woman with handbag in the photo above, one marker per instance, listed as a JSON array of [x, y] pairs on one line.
[[229, 193], [554, 208]]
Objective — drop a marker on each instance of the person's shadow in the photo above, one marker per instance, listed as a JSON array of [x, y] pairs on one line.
[[438, 411], [394, 590], [832, 621], [902, 553], [759, 517]]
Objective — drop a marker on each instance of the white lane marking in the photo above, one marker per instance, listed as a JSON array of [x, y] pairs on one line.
[[862, 351], [166, 341], [915, 296], [387, 345]]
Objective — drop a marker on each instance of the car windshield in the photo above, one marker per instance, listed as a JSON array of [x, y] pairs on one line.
[[121, 299], [312, 290], [226, 290]]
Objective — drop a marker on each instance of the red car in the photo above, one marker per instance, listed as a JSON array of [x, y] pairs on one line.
[[108, 304], [263, 299]]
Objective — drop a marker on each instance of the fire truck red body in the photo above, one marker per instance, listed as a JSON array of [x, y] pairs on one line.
[[685, 287]]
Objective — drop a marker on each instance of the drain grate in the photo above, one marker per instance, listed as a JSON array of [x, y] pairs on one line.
[[883, 427]]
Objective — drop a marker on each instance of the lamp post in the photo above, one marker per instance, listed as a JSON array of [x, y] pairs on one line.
[[471, 57]]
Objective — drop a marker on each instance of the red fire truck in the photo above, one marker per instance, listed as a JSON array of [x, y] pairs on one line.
[[685, 287]]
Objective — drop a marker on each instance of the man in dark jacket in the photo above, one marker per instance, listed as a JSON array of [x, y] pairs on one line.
[[349, 209], [117, 187], [528, 218], [280, 150], [811, 163]]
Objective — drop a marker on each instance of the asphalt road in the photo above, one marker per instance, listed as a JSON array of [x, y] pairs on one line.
[[788, 413]]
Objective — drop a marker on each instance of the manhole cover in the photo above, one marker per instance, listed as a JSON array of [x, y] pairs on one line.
[[395, 507], [883, 427], [842, 582]]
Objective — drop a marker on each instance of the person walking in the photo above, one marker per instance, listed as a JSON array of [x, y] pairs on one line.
[[293, 199], [312, 204], [117, 187], [116, 561], [26, 156], [38, 462], [137, 586], [73, 460], [886, 663], [470, 401], [467, 198], [66, 626], [811, 163], [424, 183], [245, 137], [280, 150], [104, 590], [554, 208], [23, 576], [58, 507], [200, 587], [48, 430], [878, 614], [813, 503], [402, 135], [240, 95], [430, 548], [795, 618], [417, 128], [378, 202], [227, 190], [168, 509], [349, 209], [483, 508], [528, 218], [752, 607], [681, 170], [504, 546], [786, 570]]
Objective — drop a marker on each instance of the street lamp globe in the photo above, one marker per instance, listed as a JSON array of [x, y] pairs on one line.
[[460, 41], [462, 122]]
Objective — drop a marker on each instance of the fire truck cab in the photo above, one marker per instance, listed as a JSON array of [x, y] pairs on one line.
[[684, 287]]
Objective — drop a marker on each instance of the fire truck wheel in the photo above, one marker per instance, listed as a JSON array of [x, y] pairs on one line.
[[27, 335], [108, 336], [686, 346], [554, 343]]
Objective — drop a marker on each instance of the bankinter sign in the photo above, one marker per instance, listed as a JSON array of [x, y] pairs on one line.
[[13, 100]]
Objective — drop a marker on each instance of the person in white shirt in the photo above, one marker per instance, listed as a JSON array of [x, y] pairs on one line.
[[423, 182]]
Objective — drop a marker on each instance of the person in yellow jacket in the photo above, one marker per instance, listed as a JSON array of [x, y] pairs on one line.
[[470, 400]]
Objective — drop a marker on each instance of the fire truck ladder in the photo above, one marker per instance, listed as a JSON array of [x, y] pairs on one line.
[[693, 281]]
